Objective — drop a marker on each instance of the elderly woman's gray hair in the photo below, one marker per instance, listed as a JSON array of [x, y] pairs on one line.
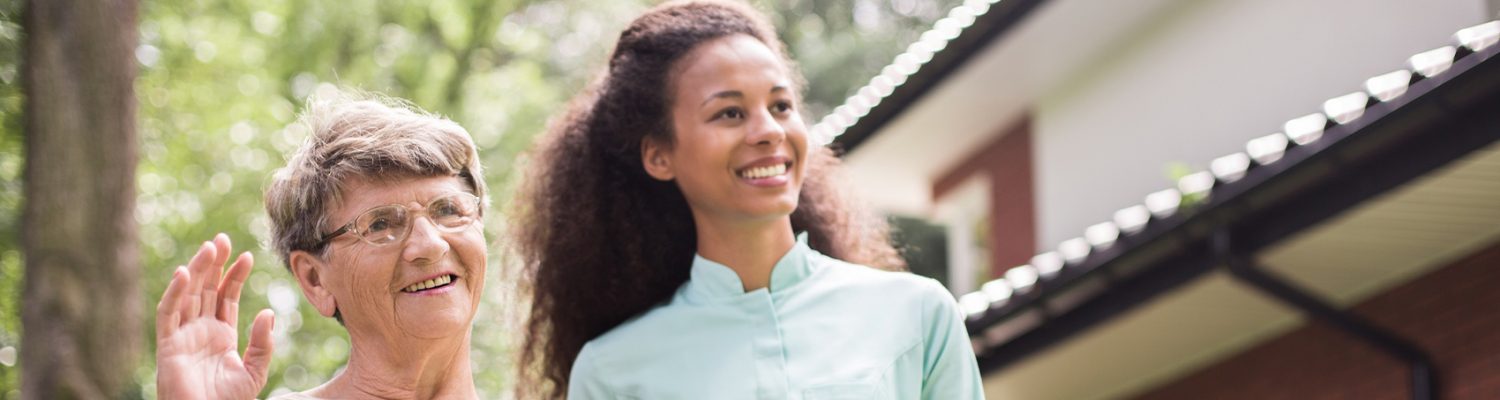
[[360, 136]]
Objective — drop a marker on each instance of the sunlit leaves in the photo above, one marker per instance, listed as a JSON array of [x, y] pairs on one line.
[[11, 164]]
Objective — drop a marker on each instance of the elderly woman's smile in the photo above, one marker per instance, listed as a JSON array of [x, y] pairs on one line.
[[436, 285]]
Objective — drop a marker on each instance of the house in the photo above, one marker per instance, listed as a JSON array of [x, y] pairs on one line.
[[1335, 233]]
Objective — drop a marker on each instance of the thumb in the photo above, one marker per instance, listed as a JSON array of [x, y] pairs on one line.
[[258, 353]]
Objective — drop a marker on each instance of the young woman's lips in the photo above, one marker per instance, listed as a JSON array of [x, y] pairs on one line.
[[766, 172]]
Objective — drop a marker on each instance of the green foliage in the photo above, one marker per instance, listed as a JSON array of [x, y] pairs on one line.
[[1175, 171], [221, 82], [10, 198], [924, 246], [841, 44]]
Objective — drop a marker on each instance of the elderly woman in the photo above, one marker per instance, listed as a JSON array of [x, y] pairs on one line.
[[377, 215]]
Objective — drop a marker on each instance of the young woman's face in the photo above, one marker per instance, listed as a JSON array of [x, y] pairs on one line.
[[740, 144]]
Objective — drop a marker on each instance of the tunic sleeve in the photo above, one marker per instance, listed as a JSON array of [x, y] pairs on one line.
[[951, 371]]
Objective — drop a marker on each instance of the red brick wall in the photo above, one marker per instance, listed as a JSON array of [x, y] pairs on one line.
[[1452, 312], [1006, 163]]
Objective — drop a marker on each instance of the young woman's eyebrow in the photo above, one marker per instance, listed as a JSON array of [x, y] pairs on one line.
[[723, 95], [737, 94]]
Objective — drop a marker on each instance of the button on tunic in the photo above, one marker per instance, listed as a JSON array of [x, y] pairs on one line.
[[823, 329]]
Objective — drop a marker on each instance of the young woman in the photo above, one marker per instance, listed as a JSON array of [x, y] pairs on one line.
[[674, 231]]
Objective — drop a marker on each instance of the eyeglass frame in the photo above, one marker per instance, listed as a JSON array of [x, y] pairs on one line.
[[349, 227]]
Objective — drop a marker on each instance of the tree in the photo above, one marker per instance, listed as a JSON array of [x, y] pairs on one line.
[[81, 309]]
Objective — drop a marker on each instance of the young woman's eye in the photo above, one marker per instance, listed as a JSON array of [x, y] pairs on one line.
[[782, 107], [731, 113]]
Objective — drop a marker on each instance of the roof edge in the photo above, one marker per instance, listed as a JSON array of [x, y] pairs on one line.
[[967, 30]]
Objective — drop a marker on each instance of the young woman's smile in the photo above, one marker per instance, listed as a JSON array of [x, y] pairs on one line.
[[767, 172]]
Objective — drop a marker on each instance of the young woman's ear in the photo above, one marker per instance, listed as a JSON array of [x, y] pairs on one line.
[[654, 157], [309, 272]]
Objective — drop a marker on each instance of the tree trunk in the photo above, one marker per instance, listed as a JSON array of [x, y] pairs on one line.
[[81, 308]]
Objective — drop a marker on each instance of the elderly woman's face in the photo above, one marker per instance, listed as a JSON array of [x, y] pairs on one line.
[[425, 286]]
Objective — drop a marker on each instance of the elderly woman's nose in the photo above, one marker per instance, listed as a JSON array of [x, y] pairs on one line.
[[425, 244]]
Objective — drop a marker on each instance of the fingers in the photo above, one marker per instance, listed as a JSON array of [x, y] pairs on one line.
[[199, 267], [229, 289], [258, 352], [168, 313], [210, 277], [221, 253]]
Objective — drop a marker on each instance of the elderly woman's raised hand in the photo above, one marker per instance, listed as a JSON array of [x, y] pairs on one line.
[[197, 331]]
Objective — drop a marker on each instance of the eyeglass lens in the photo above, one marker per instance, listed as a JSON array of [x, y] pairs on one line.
[[390, 223]]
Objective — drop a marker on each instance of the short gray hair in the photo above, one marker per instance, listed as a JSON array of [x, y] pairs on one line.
[[359, 135]]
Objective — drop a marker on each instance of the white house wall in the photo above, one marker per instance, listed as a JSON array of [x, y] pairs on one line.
[[1203, 78], [895, 168]]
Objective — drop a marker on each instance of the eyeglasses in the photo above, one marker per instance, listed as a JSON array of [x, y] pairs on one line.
[[391, 223]]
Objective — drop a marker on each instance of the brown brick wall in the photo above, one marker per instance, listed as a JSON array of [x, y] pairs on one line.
[[1452, 312], [1006, 163]]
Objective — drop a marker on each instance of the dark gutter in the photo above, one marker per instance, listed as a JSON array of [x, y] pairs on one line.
[[1437, 121], [1423, 376], [995, 23]]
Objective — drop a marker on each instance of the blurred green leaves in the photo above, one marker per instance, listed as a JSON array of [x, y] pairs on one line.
[[11, 164]]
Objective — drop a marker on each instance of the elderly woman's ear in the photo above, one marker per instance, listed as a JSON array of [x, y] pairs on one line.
[[308, 269]]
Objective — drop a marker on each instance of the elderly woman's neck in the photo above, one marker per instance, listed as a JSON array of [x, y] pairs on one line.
[[750, 248], [426, 369]]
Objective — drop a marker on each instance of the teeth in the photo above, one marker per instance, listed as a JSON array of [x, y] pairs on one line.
[[430, 283], [764, 172]]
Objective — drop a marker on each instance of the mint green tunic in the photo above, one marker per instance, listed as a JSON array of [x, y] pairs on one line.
[[825, 329]]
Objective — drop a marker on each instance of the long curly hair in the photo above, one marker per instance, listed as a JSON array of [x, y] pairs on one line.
[[600, 241]]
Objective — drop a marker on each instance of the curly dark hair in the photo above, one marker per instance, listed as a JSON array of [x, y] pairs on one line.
[[599, 239]]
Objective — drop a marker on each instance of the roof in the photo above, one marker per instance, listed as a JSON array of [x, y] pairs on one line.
[[952, 41], [1404, 124]]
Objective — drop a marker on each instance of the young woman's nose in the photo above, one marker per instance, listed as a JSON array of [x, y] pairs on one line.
[[765, 129]]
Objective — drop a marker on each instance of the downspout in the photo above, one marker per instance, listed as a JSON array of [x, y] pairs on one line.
[[1424, 385]]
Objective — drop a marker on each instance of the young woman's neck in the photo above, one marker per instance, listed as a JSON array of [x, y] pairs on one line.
[[750, 249], [425, 369]]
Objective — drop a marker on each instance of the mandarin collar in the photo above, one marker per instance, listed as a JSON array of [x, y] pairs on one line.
[[711, 280]]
